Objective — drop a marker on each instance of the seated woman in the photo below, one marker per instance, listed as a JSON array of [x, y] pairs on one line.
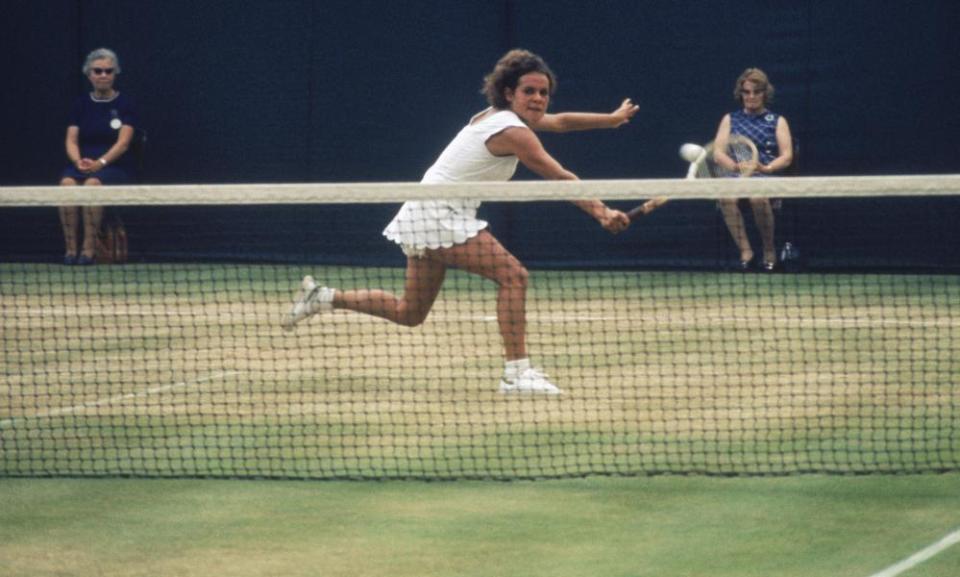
[[100, 129], [771, 133]]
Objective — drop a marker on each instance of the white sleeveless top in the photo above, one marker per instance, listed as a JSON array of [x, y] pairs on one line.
[[443, 223]]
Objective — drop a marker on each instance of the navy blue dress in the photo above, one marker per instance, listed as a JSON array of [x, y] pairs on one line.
[[99, 123], [761, 129]]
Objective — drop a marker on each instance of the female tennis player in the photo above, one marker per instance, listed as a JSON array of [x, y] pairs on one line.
[[771, 133], [439, 234]]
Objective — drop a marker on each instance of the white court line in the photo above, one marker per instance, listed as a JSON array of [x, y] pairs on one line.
[[116, 399], [707, 321], [803, 322], [920, 556]]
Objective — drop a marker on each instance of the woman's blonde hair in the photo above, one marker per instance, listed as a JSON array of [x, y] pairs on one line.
[[759, 79]]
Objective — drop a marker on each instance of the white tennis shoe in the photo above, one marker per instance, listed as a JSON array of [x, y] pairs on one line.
[[530, 381], [311, 299]]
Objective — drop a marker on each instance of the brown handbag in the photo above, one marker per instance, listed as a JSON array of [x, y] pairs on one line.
[[112, 242]]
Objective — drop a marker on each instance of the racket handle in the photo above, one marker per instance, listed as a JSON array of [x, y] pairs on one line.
[[636, 213], [646, 208]]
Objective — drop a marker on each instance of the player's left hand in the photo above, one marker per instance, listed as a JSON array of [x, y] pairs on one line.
[[624, 113]]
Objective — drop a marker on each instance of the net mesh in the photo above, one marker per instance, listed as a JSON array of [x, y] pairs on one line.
[[175, 364]]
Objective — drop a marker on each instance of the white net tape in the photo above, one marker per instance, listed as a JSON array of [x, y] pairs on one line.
[[360, 192]]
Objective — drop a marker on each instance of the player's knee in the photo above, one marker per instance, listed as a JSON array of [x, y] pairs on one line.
[[516, 277], [412, 320], [411, 317]]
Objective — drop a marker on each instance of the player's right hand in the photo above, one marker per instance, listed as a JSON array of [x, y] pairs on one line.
[[614, 221]]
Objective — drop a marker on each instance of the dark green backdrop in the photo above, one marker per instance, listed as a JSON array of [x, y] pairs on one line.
[[312, 90]]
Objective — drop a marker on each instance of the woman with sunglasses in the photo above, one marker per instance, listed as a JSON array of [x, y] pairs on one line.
[[437, 235], [100, 129], [771, 133]]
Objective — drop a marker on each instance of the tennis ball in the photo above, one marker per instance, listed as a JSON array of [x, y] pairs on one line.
[[690, 152]]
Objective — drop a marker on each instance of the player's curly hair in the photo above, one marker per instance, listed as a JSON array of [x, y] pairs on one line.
[[759, 78], [507, 73]]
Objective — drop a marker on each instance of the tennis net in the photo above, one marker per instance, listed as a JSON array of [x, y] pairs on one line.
[[670, 360]]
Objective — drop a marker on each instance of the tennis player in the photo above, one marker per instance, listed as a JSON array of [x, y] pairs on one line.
[[771, 133], [439, 234]]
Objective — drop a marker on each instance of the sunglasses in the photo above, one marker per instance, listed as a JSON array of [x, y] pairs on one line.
[[102, 71]]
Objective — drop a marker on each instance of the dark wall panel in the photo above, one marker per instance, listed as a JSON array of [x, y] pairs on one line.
[[394, 82], [320, 90], [224, 91], [41, 41]]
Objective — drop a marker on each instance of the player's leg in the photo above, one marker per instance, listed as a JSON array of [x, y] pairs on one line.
[[485, 256], [424, 277], [482, 255], [763, 216], [69, 222], [738, 231]]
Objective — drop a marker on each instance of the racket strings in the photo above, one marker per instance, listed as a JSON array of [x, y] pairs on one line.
[[740, 152]]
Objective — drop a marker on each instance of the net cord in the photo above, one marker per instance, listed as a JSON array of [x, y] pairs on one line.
[[378, 192]]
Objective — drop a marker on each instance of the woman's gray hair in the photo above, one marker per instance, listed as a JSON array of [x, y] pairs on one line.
[[100, 54]]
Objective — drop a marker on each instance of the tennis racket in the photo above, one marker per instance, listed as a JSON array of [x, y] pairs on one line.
[[739, 148], [702, 165], [692, 153]]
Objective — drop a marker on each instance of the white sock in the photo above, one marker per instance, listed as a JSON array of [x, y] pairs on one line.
[[512, 369]]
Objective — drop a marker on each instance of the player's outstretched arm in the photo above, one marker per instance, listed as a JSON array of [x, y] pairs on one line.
[[612, 220], [570, 121], [523, 143], [526, 146]]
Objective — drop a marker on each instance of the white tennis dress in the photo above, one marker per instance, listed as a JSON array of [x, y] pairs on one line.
[[443, 223]]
